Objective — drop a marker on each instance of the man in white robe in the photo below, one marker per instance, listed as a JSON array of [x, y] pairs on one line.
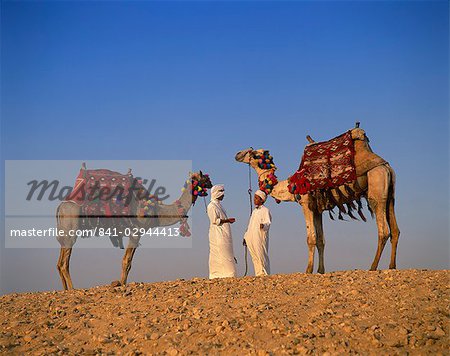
[[257, 235], [221, 255]]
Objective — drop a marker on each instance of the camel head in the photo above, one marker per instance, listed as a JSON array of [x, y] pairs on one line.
[[200, 183], [359, 134], [259, 159]]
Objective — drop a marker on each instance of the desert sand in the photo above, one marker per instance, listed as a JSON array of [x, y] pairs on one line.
[[402, 312]]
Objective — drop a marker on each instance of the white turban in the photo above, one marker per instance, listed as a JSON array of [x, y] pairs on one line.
[[217, 191], [261, 194]]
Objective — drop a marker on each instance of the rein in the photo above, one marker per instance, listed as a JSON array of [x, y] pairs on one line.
[[206, 206], [250, 187], [266, 184]]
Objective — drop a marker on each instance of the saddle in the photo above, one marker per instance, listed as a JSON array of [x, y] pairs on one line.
[[102, 193], [325, 165]]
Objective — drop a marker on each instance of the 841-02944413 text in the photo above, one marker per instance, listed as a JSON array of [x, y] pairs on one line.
[[100, 232]]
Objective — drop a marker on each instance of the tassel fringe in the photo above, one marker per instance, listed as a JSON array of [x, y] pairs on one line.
[[347, 203]]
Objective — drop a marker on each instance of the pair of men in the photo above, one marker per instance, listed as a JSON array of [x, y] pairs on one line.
[[222, 262]]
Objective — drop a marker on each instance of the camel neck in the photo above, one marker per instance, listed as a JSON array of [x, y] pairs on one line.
[[264, 173], [280, 191], [186, 199]]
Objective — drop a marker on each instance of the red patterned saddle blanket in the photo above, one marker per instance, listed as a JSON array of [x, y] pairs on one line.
[[102, 192], [325, 165]]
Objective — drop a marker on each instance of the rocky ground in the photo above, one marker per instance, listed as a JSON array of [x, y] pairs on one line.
[[385, 312]]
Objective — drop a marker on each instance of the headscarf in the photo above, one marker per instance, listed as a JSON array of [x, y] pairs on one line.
[[261, 194], [217, 191]]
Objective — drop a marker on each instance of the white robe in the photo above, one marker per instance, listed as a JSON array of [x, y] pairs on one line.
[[221, 256], [257, 239]]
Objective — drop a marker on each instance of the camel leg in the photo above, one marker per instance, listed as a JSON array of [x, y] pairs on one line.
[[67, 219], [65, 261], [378, 179], [59, 267], [310, 237], [320, 241], [395, 233], [126, 264], [311, 251]]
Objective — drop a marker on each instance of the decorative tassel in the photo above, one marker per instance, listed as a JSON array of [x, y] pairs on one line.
[[360, 213], [342, 209], [357, 187], [342, 197], [340, 215], [358, 201], [330, 213], [352, 205], [331, 199], [339, 204], [350, 212], [369, 208], [350, 191], [328, 203]]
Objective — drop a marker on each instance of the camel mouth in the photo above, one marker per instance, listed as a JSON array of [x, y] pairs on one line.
[[243, 156], [208, 184]]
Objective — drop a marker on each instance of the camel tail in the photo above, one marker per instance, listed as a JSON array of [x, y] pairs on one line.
[[391, 196], [392, 220]]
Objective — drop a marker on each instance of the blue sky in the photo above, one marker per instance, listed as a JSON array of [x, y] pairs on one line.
[[202, 80]]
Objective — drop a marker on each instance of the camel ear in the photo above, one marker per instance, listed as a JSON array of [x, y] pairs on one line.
[[201, 174]]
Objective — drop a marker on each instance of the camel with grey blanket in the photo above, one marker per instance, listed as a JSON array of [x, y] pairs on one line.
[[69, 219]]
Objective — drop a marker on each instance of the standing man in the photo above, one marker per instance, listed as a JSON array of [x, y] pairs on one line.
[[221, 256], [257, 235]]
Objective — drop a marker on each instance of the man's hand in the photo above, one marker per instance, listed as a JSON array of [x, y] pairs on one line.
[[230, 221]]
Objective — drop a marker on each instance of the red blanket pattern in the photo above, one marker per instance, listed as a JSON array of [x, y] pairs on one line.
[[102, 192], [325, 165]]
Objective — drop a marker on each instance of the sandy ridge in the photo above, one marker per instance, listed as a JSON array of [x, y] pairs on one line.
[[395, 312]]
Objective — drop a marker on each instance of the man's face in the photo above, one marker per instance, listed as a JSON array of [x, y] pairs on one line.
[[258, 200], [221, 198]]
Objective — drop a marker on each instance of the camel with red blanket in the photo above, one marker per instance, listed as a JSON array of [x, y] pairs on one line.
[[335, 173], [106, 199]]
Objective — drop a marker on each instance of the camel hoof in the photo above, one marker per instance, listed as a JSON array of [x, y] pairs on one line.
[[392, 267], [321, 271], [116, 284]]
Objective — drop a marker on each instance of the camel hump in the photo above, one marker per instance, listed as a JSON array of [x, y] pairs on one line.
[[365, 158]]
